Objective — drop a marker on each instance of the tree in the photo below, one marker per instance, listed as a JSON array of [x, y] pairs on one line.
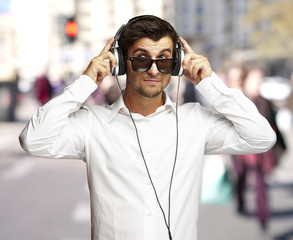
[[271, 22]]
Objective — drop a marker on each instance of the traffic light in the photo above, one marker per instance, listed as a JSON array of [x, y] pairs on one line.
[[71, 30]]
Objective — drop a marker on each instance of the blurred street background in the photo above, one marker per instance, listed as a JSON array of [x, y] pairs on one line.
[[46, 44]]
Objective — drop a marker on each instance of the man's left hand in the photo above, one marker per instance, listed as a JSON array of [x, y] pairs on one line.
[[196, 67]]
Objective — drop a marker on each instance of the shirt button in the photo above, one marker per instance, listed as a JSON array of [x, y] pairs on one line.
[[150, 213]]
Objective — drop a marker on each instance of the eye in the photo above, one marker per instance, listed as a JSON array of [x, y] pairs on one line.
[[142, 56], [163, 56]]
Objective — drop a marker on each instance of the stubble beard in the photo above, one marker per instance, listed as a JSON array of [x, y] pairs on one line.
[[148, 91], [149, 94]]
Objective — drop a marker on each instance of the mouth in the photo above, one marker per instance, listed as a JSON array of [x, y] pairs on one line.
[[152, 81]]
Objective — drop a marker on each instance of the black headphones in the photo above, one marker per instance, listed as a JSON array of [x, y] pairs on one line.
[[120, 68]]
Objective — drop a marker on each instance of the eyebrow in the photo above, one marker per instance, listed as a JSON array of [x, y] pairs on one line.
[[146, 51]]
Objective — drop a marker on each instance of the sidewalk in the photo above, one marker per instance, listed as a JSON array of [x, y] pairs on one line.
[[219, 222], [283, 173]]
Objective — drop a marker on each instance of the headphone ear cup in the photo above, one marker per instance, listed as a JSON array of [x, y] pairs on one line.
[[120, 68], [115, 70], [121, 62], [177, 66]]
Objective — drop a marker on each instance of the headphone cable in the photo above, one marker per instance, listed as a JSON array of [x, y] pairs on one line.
[[176, 152], [146, 166]]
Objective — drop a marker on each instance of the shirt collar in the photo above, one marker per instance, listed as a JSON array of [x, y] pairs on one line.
[[119, 106]]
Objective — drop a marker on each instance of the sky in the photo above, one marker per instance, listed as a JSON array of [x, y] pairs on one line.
[[4, 6]]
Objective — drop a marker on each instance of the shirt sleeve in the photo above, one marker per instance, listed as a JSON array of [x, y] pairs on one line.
[[238, 127], [53, 130]]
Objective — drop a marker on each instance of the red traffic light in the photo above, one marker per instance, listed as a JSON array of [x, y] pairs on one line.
[[71, 28]]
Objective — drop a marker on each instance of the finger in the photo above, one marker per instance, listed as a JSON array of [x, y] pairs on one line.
[[200, 68], [107, 46], [188, 58], [97, 69], [186, 61], [103, 69], [109, 56], [102, 72], [186, 46], [195, 67], [103, 63], [112, 59]]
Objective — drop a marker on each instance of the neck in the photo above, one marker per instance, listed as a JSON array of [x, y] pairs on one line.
[[143, 105]]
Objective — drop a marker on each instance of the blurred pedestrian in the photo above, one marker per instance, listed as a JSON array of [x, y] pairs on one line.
[[14, 97], [235, 77], [260, 164], [289, 100], [43, 89]]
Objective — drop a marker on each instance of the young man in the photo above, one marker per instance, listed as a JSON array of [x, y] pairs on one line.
[[144, 168]]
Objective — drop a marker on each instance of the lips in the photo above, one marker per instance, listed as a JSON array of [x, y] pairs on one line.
[[152, 81]]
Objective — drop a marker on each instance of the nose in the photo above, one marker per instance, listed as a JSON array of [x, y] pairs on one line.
[[153, 69]]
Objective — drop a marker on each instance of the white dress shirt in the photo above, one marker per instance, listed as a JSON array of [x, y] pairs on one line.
[[123, 203]]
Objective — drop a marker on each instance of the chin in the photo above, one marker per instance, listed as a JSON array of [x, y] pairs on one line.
[[150, 94]]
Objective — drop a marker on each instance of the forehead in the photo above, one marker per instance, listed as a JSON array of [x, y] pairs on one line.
[[151, 46]]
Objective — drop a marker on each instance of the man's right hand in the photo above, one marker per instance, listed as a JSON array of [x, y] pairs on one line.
[[99, 68]]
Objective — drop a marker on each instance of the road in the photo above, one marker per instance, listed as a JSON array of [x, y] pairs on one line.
[[48, 199], [40, 199]]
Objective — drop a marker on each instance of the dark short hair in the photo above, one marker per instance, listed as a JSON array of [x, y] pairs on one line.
[[146, 26]]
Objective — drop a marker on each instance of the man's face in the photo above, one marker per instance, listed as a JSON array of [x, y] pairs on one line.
[[150, 83]]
